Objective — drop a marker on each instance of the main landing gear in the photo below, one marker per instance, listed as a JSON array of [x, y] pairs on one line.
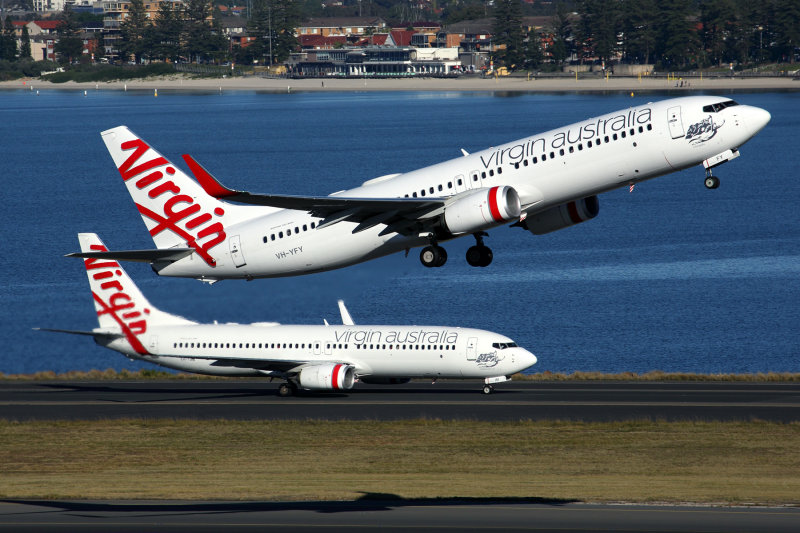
[[287, 389], [479, 255], [711, 182], [433, 256]]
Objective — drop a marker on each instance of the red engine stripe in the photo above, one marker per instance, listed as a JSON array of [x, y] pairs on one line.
[[335, 377], [493, 209], [572, 209]]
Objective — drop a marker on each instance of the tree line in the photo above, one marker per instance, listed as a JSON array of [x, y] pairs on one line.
[[191, 31], [671, 34]]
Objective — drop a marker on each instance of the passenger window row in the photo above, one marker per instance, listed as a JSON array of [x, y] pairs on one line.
[[250, 345], [404, 347], [288, 232], [589, 144], [459, 182]]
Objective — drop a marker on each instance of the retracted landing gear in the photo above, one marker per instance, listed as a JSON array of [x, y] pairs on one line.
[[711, 182], [287, 389], [479, 255], [433, 256]]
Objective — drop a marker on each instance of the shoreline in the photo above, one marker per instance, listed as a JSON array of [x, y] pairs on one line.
[[508, 84]]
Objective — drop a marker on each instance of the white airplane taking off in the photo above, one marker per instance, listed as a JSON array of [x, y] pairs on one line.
[[319, 358], [541, 184]]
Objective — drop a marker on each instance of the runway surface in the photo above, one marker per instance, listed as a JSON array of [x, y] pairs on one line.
[[392, 515], [243, 400]]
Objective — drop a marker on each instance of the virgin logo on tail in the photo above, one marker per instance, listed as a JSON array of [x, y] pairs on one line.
[[114, 301], [194, 230]]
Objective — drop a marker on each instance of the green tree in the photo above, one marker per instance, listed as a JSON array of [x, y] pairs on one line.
[[563, 38], [677, 46], [274, 22], [638, 30], [69, 46], [165, 35], [133, 33], [508, 33], [8, 43], [600, 26], [787, 30], [201, 38], [533, 49], [25, 44]]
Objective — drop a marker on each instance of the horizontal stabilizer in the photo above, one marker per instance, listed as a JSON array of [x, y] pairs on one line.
[[138, 256], [79, 332]]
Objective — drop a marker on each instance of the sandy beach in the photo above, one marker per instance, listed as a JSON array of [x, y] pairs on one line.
[[507, 84]]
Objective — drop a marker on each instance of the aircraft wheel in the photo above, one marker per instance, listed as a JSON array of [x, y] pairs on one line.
[[712, 182], [488, 389], [442, 256], [486, 256], [433, 256], [285, 390], [474, 256]]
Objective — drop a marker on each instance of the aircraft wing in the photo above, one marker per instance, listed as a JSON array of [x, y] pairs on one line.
[[257, 364], [272, 365], [400, 214], [141, 256]]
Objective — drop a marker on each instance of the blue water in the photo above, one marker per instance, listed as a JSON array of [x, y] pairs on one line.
[[672, 277]]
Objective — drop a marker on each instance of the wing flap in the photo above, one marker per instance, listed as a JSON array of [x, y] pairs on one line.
[[138, 256]]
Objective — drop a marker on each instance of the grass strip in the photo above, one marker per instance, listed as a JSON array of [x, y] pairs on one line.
[[655, 375], [638, 461]]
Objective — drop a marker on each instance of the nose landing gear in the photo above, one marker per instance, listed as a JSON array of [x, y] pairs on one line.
[[711, 182]]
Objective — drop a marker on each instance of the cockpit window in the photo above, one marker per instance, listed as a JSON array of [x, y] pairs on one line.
[[504, 345], [714, 108]]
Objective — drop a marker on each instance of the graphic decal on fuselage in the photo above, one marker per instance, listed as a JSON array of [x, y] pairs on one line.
[[113, 301], [488, 360], [194, 230], [579, 133], [703, 131]]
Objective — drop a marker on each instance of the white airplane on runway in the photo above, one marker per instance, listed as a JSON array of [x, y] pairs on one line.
[[541, 183], [319, 358]]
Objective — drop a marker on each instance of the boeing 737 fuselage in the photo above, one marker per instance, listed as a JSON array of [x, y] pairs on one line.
[[540, 183], [322, 358]]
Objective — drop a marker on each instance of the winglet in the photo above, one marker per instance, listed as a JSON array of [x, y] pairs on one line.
[[347, 320], [206, 180]]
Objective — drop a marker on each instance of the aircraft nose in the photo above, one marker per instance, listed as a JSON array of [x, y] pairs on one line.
[[528, 358], [757, 118]]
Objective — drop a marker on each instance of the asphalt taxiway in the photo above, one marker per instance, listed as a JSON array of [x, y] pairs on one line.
[[519, 400], [387, 515]]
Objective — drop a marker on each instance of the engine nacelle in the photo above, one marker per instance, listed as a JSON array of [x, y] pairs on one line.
[[562, 216], [328, 376], [483, 209], [384, 381]]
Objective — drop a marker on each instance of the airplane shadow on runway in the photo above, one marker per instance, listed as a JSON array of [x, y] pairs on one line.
[[369, 501], [269, 389]]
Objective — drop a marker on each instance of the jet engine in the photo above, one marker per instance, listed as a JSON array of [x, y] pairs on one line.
[[328, 376], [483, 209], [562, 216]]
